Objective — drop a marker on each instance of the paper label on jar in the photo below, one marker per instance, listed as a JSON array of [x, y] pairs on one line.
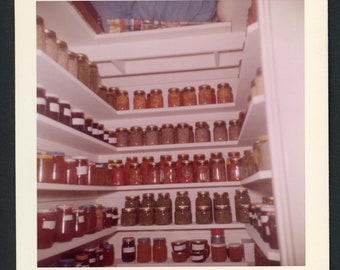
[[68, 217], [41, 101], [112, 140], [54, 107], [81, 170], [129, 249], [198, 247], [115, 216], [100, 131], [267, 230], [106, 137], [92, 260], [197, 257], [81, 219], [67, 112], [50, 225], [109, 215], [78, 121], [101, 257], [180, 248], [264, 219], [89, 129], [94, 131]]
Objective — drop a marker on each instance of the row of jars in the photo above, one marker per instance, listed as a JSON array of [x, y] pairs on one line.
[[119, 99], [180, 133], [77, 64], [101, 255], [65, 222]]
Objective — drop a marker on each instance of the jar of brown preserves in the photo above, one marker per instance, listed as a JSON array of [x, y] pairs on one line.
[[224, 93], [189, 96], [139, 100], [174, 97]]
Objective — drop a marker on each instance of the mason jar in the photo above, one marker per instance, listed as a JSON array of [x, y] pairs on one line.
[[135, 137], [62, 56], [204, 94], [220, 131], [189, 96], [167, 133], [122, 100], [224, 93], [174, 97], [151, 135], [202, 132], [156, 99], [139, 100], [234, 129], [183, 133]]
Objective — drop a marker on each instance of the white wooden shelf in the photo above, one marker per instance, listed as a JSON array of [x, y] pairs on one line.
[[58, 248], [271, 254], [261, 176], [170, 262]]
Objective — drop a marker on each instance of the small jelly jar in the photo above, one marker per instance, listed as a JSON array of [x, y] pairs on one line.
[[151, 135], [204, 94], [65, 112], [108, 254], [46, 221], [188, 96], [220, 131], [155, 99], [78, 120], [235, 252], [52, 107]]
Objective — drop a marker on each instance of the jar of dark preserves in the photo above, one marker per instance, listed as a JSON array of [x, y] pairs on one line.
[[128, 249], [118, 174], [204, 94], [44, 167], [243, 213], [148, 200], [41, 100], [183, 215], [65, 223], [224, 93], [58, 169], [145, 166], [101, 175], [108, 254], [112, 138], [217, 170], [122, 137], [174, 97], [128, 217], [95, 129], [144, 250], [46, 222], [182, 198], [82, 171], [156, 99], [99, 217], [92, 256], [115, 216], [99, 257], [271, 230], [151, 135], [65, 112], [203, 214], [51, 44], [62, 57], [235, 252], [106, 135], [167, 134], [221, 198], [78, 120], [52, 107], [187, 172], [188, 96], [107, 220], [249, 162], [222, 214], [93, 76], [122, 100], [183, 133], [139, 100], [72, 63], [159, 250], [132, 201], [241, 198], [203, 199], [135, 137], [83, 68], [90, 218], [202, 132], [234, 129], [169, 173], [163, 215], [146, 216], [134, 176], [100, 135], [79, 228], [264, 218], [40, 33], [200, 245], [202, 171], [220, 131], [198, 256]]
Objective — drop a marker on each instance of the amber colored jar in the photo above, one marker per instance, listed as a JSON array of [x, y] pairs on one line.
[[167, 134], [52, 107], [132, 202], [79, 228], [198, 256], [122, 100], [234, 167], [108, 254], [83, 68], [155, 99], [115, 216], [64, 228], [41, 100], [70, 171], [139, 100], [187, 172], [224, 93], [82, 172], [111, 96], [234, 129], [204, 94], [51, 44], [145, 163], [78, 120], [135, 137], [188, 95], [218, 248], [62, 57], [183, 215], [90, 218], [169, 173], [202, 171], [46, 221], [146, 216], [122, 137], [235, 252], [58, 169], [101, 175], [203, 199], [198, 157], [144, 250], [174, 97], [118, 174], [40, 33], [217, 168], [93, 76], [222, 214], [128, 217], [44, 167], [182, 198], [220, 131], [128, 249], [203, 214], [153, 173], [151, 135], [241, 198], [72, 63], [159, 250], [163, 215], [134, 176], [128, 161], [65, 112], [241, 117], [102, 92], [202, 132], [183, 133]]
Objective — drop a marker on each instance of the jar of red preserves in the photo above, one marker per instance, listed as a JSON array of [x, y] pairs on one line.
[[151, 135], [44, 167], [129, 160], [99, 217], [52, 107], [234, 166], [135, 137], [234, 129], [79, 228], [224, 93], [118, 174], [65, 223], [187, 172], [82, 172], [194, 164], [108, 254], [41, 100], [235, 252], [139, 100], [145, 163], [217, 169], [159, 250], [202, 171], [204, 94], [218, 248], [220, 131], [46, 222], [153, 173], [122, 100], [188, 95], [135, 176], [101, 176], [174, 97], [144, 250], [156, 99], [169, 173], [58, 169], [90, 218]]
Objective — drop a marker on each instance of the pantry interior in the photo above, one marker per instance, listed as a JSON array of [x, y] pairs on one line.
[[213, 53]]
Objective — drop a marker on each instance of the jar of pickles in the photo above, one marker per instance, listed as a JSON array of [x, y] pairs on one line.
[[128, 217], [167, 134], [62, 57], [204, 94], [234, 129], [202, 132], [146, 216], [220, 131], [139, 100], [163, 215], [183, 133], [155, 99], [135, 137], [151, 135], [241, 200], [122, 100], [122, 137], [189, 96], [174, 97], [224, 93]]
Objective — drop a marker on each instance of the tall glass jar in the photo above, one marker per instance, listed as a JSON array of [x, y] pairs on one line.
[[108, 254], [90, 218], [102, 91], [82, 172], [70, 171], [52, 107], [202, 132], [151, 135], [122, 137], [65, 112], [153, 173], [145, 167], [159, 250], [189, 96], [72, 63], [79, 217], [139, 100], [234, 129], [40, 33], [128, 249], [167, 134], [202, 171], [93, 76], [204, 94], [183, 133], [51, 44], [146, 216], [58, 167], [186, 172], [135, 137], [195, 164], [134, 176], [182, 198], [174, 97], [156, 99], [65, 223], [83, 68], [118, 176], [217, 170], [234, 166], [262, 153], [46, 221], [144, 250], [62, 56], [224, 93], [122, 100], [221, 198], [220, 131], [241, 198]]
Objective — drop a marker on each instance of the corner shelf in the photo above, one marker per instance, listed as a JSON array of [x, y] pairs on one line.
[[271, 254]]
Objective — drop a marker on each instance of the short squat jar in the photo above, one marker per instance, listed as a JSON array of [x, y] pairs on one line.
[[122, 100], [128, 217], [189, 96], [204, 94], [146, 216], [202, 132], [163, 215], [220, 131], [156, 99]]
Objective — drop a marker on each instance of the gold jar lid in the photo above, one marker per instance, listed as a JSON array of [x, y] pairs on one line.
[[62, 44], [182, 193], [204, 87], [203, 193], [156, 91], [82, 57], [234, 122], [182, 125], [201, 124], [167, 126], [114, 89], [88, 117], [173, 90], [189, 89], [151, 128], [136, 128], [202, 162], [121, 129], [132, 197], [221, 194], [139, 92], [223, 85], [219, 123], [128, 239], [50, 33]]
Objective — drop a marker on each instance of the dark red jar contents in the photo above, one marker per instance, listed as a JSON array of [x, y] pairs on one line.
[[46, 227]]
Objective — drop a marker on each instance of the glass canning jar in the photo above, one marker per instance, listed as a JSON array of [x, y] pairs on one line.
[[70, 171], [183, 215], [204, 94], [144, 250], [249, 162], [95, 130], [65, 223], [83, 68], [88, 124], [273, 239], [41, 100], [102, 91], [224, 93], [40, 33], [151, 135], [107, 220], [78, 120], [222, 214], [221, 198], [135, 136], [159, 250], [128, 161], [145, 162], [139, 100], [235, 252], [128, 249], [188, 95], [99, 217], [108, 254], [234, 166], [156, 99], [203, 199], [182, 198], [234, 129], [46, 221], [163, 215], [111, 96], [164, 200], [93, 76], [241, 197], [134, 176], [65, 112], [51, 44], [90, 218], [122, 137], [153, 173], [128, 217], [58, 168], [186, 172], [174, 97], [118, 174], [202, 172], [122, 100], [132, 201], [167, 134], [202, 132], [148, 200], [203, 214], [217, 170], [44, 167], [195, 162], [79, 228], [82, 171], [72, 63], [218, 248], [112, 138], [52, 107], [62, 57], [146, 216], [183, 133], [220, 131]]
